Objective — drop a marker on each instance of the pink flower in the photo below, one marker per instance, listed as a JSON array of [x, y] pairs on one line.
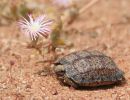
[[33, 28], [63, 3]]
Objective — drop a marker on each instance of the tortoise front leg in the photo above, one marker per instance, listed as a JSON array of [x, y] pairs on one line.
[[70, 82]]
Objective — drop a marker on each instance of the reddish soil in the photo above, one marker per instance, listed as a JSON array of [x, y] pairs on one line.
[[104, 27]]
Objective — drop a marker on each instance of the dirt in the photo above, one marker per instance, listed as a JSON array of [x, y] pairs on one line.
[[104, 27]]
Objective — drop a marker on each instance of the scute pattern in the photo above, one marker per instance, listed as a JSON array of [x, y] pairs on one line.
[[68, 59], [90, 68]]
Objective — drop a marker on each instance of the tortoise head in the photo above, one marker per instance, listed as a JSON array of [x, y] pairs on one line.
[[59, 70]]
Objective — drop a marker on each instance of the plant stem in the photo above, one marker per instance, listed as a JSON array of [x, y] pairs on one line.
[[88, 6]]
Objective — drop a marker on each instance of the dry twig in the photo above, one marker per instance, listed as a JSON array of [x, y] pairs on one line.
[[89, 5]]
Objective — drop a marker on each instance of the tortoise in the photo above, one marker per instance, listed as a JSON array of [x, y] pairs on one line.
[[87, 68]]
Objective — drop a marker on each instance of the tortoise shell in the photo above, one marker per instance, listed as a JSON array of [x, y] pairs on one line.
[[88, 68]]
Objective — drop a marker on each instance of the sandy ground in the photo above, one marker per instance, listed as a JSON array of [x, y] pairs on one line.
[[104, 27]]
